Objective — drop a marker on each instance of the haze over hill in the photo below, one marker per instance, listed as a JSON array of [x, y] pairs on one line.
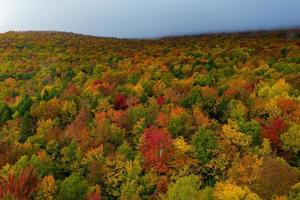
[[141, 19]]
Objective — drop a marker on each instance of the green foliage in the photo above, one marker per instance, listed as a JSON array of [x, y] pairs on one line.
[[185, 188], [73, 187], [251, 128], [210, 64], [204, 143], [24, 106], [284, 52], [176, 126], [28, 126], [203, 80], [192, 98], [5, 113], [117, 135]]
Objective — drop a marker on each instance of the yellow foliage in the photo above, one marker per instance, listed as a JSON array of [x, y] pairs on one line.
[[235, 137], [158, 87], [69, 107], [181, 145], [279, 89], [44, 126], [230, 191], [266, 148], [201, 118], [46, 189], [94, 154], [272, 108]]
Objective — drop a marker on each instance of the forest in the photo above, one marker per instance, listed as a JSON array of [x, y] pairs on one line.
[[203, 117]]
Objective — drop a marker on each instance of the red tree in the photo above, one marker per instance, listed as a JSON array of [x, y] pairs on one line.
[[160, 100], [157, 148], [120, 102], [19, 187], [273, 131]]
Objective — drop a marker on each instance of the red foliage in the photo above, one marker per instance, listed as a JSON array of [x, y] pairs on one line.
[[157, 148], [160, 100], [19, 187], [94, 196], [273, 131], [120, 102]]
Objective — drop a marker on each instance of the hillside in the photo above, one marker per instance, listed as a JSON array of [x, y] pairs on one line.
[[192, 117]]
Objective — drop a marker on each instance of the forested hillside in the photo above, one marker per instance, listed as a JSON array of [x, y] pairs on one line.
[[212, 117]]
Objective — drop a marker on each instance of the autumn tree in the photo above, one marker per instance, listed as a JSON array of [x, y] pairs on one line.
[[229, 191], [19, 186], [291, 138], [46, 189], [274, 130], [156, 148], [274, 177]]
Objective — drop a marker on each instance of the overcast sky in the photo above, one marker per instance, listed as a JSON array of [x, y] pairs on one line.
[[147, 18]]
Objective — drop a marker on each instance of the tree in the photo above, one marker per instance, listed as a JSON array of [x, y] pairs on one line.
[[230, 191], [156, 148], [287, 105], [133, 187], [185, 188], [205, 143], [72, 188], [120, 102], [253, 129], [160, 100], [28, 126], [24, 105], [176, 125], [5, 113], [19, 187], [274, 130], [274, 177], [291, 138], [46, 189], [235, 137]]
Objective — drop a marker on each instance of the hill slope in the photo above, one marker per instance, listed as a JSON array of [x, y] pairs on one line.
[[196, 117]]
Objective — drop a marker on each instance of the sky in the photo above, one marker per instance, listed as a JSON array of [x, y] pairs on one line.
[[148, 18]]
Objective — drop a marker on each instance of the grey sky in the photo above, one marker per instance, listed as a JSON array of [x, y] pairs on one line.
[[147, 18]]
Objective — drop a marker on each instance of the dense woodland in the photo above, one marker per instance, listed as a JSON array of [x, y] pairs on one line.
[[212, 117]]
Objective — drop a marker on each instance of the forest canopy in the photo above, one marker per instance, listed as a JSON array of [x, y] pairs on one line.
[[211, 117]]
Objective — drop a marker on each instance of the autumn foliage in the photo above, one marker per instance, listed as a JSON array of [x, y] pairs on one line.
[[120, 102], [193, 117], [274, 130], [157, 148], [19, 187]]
